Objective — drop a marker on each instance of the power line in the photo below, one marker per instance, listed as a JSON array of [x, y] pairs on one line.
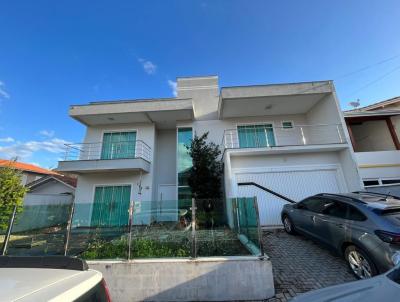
[[376, 80], [366, 67]]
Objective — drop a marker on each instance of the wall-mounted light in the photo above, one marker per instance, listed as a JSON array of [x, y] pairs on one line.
[[111, 119], [268, 107]]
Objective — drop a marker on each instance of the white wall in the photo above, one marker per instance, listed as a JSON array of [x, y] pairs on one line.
[[84, 194], [165, 159], [379, 164], [372, 136]]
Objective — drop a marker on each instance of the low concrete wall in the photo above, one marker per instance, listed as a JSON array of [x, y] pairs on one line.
[[211, 279]]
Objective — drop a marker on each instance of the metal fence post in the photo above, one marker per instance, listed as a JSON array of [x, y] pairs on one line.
[[9, 228], [69, 226], [194, 250], [131, 209]]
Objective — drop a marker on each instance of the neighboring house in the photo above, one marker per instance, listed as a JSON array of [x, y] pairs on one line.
[[53, 184], [375, 134], [29, 172], [289, 138]]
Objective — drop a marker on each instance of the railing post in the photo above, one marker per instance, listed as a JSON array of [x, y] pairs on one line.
[[302, 136], [69, 226], [131, 209], [193, 249], [340, 135], [8, 234]]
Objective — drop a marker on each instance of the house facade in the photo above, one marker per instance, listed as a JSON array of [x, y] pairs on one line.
[[375, 135], [289, 138]]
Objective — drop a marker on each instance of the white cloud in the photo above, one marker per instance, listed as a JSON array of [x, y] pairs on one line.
[[47, 133], [26, 149], [173, 87], [3, 93], [148, 66], [6, 140]]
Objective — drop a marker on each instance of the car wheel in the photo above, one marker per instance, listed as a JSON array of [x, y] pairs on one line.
[[288, 224], [360, 263]]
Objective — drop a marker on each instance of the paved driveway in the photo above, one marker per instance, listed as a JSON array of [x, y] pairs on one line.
[[300, 265]]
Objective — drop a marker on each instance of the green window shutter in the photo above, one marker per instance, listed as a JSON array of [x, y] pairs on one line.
[[111, 206]]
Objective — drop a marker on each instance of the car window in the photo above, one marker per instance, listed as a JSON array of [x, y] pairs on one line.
[[314, 204], [337, 209], [355, 214]]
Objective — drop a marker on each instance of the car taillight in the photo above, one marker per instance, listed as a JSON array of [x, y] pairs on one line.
[[104, 284], [388, 237]]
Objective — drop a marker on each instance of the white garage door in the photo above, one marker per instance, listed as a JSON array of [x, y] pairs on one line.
[[295, 184]]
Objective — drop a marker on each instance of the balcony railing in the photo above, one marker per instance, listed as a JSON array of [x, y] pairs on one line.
[[261, 136], [109, 150]]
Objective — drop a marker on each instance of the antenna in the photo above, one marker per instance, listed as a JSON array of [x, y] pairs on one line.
[[355, 104]]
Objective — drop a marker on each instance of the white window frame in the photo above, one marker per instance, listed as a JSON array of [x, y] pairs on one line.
[[260, 124], [287, 129]]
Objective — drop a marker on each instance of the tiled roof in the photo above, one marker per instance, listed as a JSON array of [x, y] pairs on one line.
[[26, 167]]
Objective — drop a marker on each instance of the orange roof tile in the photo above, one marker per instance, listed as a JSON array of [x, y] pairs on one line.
[[26, 167]]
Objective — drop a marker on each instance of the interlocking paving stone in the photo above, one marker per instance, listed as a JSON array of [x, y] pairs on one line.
[[300, 265]]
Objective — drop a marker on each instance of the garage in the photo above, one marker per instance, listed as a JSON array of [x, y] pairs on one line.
[[293, 182]]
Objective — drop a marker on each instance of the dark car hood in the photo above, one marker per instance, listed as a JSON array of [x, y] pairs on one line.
[[375, 289]]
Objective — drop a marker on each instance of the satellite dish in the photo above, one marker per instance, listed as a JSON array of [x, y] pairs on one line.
[[355, 104]]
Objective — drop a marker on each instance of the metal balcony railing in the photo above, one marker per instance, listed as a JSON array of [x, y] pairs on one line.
[[259, 136], [109, 150]]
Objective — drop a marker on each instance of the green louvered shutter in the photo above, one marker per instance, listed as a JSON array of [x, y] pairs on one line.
[[110, 206], [118, 145]]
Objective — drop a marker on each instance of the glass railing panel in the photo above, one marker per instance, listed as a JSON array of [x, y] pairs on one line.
[[161, 229], [40, 229], [214, 234], [93, 237], [247, 223]]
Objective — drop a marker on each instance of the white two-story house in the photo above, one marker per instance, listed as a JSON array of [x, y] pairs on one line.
[[289, 138], [375, 134]]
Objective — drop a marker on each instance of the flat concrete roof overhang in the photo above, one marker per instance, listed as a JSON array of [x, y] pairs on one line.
[[275, 99], [287, 150], [103, 165], [163, 112], [369, 115]]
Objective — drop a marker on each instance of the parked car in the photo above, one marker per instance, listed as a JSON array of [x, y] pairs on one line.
[[384, 287], [51, 278], [364, 227]]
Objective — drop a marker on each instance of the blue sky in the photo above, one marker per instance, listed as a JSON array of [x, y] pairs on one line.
[[57, 53]]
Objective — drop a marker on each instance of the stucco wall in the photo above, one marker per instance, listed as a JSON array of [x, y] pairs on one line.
[[203, 279], [372, 136], [84, 194], [165, 159]]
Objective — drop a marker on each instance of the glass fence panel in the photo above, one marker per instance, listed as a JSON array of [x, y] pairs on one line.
[[161, 229], [98, 232], [214, 234], [247, 223], [40, 229]]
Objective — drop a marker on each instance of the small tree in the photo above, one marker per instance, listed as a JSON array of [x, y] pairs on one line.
[[205, 176], [12, 193]]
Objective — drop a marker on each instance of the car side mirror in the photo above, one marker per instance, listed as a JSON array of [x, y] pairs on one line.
[[299, 206]]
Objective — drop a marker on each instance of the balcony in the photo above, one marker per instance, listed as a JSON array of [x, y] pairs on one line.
[[110, 156], [292, 137]]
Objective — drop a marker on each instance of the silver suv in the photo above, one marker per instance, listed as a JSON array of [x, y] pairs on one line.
[[364, 227]]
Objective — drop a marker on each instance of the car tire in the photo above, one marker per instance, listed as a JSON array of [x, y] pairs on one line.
[[288, 225], [360, 264]]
